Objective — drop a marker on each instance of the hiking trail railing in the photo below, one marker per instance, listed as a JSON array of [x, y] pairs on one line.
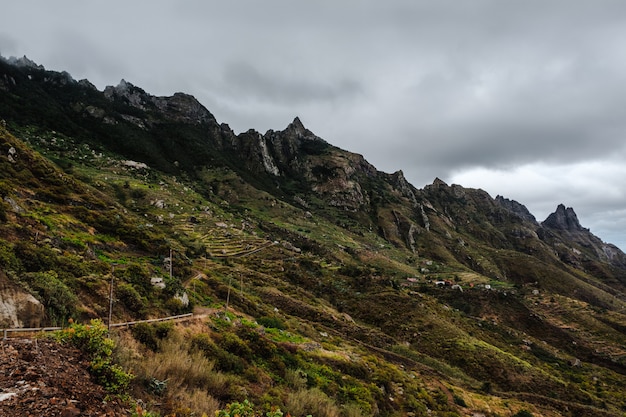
[[5, 332]]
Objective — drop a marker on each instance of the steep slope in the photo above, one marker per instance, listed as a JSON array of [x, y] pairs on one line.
[[395, 299]]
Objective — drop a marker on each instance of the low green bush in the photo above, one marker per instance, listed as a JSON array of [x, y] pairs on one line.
[[246, 409], [130, 297], [272, 322], [92, 340], [151, 334], [224, 361], [58, 299]]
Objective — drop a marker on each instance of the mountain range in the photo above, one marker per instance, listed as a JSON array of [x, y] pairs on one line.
[[318, 273]]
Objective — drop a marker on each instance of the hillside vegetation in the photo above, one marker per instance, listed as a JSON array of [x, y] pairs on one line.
[[319, 284]]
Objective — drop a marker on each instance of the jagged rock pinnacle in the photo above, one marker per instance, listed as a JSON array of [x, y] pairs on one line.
[[297, 127], [563, 219], [439, 183]]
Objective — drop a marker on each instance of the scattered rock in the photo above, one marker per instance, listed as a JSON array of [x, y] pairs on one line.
[[134, 164], [43, 378], [14, 206], [12, 155], [291, 247]]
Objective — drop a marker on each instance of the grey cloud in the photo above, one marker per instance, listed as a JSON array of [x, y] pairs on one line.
[[245, 80], [8, 45]]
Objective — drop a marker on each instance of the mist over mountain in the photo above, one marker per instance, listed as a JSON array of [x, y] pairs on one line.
[[389, 299]]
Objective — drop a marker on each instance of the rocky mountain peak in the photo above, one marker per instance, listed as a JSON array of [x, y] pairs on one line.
[[184, 108], [296, 126], [135, 96], [563, 219], [297, 130], [23, 62], [438, 183], [180, 107], [513, 206]]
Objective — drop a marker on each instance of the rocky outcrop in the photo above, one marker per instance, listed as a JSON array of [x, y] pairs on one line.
[[180, 107], [184, 108], [134, 96], [22, 62], [563, 219], [399, 182], [576, 244], [514, 207], [17, 307]]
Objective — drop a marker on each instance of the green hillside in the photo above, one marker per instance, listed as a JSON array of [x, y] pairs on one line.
[[319, 285]]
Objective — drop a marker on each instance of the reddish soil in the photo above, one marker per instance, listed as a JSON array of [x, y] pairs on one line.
[[44, 378]]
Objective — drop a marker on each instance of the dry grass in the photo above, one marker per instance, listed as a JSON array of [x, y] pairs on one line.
[[311, 402], [295, 378], [193, 384], [195, 402]]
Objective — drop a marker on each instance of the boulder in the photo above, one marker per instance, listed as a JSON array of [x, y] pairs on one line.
[[18, 308]]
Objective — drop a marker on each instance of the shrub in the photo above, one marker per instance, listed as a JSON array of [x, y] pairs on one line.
[[233, 344], [58, 299], [151, 334], [272, 322], [130, 297], [523, 413], [176, 306], [183, 370], [224, 360], [311, 402], [91, 339], [8, 261], [35, 258], [246, 409], [139, 276], [296, 379], [458, 400], [157, 387], [237, 409]]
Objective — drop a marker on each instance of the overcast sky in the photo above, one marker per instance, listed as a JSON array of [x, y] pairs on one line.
[[526, 99]]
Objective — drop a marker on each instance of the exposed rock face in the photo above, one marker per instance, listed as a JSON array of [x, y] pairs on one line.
[[179, 108], [268, 161], [563, 219], [336, 179], [400, 183], [17, 307], [563, 230], [134, 95], [296, 153], [515, 207], [184, 108]]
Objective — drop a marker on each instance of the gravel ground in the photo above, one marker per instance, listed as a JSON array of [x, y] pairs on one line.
[[44, 378]]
